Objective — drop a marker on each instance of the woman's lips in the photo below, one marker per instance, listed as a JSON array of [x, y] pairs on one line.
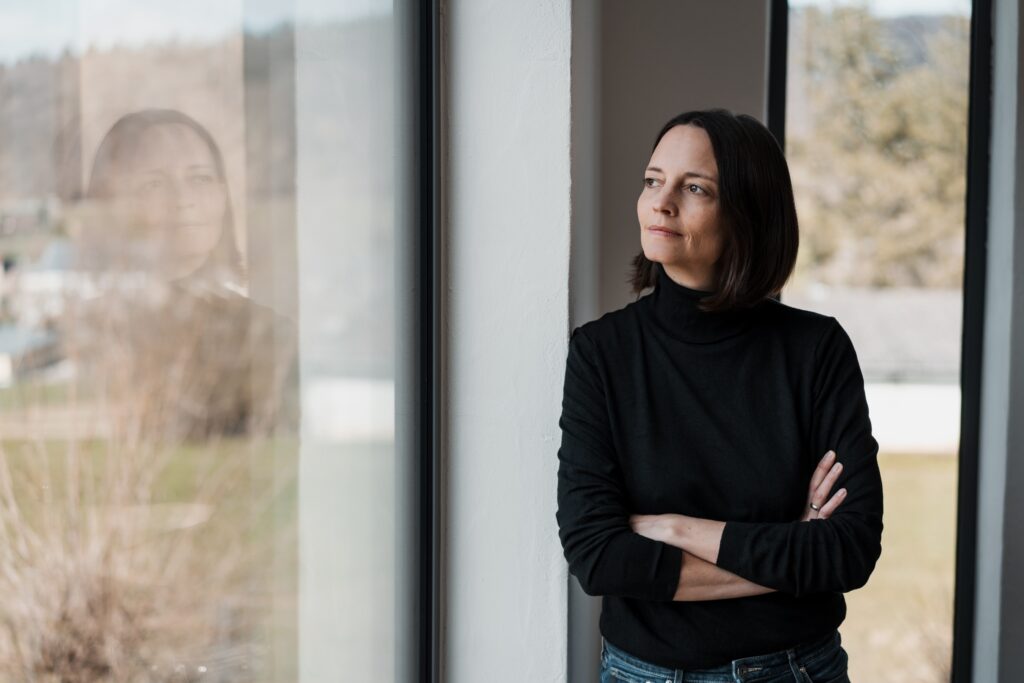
[[658, 230]]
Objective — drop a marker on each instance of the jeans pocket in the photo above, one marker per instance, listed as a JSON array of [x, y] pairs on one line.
[[610, 673], [829, 666], [614, 669]]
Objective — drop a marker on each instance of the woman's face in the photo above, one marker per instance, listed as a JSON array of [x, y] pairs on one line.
[[679, 208], [175, 198]]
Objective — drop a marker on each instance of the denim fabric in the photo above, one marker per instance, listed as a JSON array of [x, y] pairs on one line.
[[819, 661]]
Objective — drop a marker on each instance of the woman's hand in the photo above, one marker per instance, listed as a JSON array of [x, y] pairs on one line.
[[824, 477]]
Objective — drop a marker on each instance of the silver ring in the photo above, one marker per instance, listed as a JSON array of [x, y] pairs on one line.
[[815, 507]]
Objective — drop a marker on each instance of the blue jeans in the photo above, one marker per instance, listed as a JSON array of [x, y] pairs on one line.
[[819, 661]]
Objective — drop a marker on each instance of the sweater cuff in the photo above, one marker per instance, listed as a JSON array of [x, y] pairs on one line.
[[730, 548], [668, 569]]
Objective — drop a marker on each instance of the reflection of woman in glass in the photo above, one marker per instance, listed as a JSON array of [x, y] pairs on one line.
[[177, 357], [196, 356], [163, 175]]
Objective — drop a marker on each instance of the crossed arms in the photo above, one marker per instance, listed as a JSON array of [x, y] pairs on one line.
[[700, 540]]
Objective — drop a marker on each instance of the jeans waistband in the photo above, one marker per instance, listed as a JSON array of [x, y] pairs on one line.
[[801, 651]]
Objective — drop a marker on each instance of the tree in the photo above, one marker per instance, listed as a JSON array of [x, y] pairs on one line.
[[879, 169]]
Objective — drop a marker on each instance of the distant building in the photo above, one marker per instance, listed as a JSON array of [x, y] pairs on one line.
[[24, 350], [908, 344]]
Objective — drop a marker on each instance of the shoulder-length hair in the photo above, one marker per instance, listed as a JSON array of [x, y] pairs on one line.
[[758, 211], [225, 259]]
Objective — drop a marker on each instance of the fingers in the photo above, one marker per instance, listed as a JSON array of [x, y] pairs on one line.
[[823, 488], [832, 504], [827, 509], [822, 470], [824, 478], [826, 484]]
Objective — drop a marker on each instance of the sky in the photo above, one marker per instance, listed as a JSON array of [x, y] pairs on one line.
[[48, 26], [895, 8]]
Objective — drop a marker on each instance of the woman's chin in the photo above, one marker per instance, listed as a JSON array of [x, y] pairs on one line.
[[180, 269], [659, 253]]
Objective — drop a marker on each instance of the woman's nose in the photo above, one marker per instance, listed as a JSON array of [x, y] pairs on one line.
[[181, 194], [663, 202]]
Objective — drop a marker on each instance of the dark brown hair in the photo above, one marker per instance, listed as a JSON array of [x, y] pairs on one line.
[[758, 210]]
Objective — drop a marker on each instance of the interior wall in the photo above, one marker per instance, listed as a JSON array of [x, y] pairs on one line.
[[505, 290], [585, 274], [660, 58]]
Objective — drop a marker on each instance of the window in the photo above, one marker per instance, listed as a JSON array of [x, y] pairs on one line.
[[210, 435], [876, 138]]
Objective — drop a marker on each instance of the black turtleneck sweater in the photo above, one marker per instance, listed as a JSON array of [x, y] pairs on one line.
[[669, 409]]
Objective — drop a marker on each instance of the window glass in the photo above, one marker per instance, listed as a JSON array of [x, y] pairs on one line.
[[203, 217], [876, 138]]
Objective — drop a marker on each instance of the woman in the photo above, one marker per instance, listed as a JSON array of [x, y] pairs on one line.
[[188, 352], [700, 428]]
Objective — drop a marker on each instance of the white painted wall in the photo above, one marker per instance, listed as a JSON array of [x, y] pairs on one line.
[[506, 67]]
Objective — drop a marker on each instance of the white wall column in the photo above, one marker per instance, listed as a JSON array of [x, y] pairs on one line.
[[506, 89]]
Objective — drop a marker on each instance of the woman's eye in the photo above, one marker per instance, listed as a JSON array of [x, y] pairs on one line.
[[202, 179], [649, 182]]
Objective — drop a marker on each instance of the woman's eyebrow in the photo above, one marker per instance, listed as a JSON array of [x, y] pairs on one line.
[[693, 173]]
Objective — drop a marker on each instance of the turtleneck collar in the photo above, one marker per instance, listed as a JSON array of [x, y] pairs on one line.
[[674, 307]]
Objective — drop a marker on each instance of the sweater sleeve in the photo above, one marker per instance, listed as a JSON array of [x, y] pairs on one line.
[[603, 552], [836, 554]]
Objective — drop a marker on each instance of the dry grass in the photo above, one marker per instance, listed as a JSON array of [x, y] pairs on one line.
[[110, 585], [899, 626], [142, 556]]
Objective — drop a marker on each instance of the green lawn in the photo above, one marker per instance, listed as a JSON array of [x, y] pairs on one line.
[[33, 394]]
